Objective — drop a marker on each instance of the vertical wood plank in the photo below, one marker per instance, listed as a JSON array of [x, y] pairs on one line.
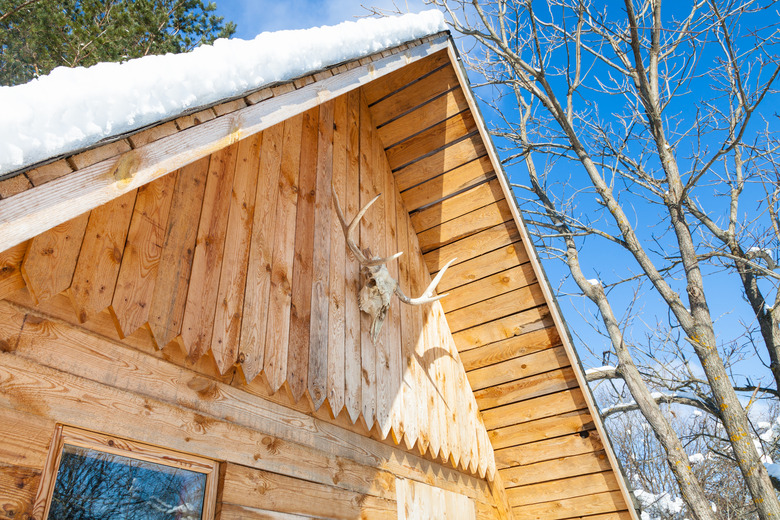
[[382, 352], [388, 371], [198, 322], [277, 334], [232, 282], [50, 260], [401, 498], [11, 269], [258, 284], [352, 340], [434, 403], [97, 269], [369, 236], [170, 290], [320, 288], [138, 272], [336, 311], [449, 372], [463, 391], [300, 317], [405, 406], [423, 386]]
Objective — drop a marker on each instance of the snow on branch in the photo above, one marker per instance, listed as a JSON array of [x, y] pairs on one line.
[[684, 398], [604, 372]]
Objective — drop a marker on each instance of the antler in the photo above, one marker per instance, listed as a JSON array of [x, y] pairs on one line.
[[378, 285], [349, 229], [427, 295]]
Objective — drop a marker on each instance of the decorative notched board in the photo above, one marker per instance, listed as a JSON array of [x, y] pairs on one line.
[[237, 261]]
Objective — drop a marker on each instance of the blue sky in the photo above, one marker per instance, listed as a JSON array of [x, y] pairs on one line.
[[256, 16]]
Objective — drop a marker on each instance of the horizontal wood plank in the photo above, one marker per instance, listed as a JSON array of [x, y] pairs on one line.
[[457, 205], [263, 489], [553, 469], [541, 429], [518, 368], [436, 110], [376, 90], [526, 388], [514, 325], [536, 408], [472, 246], [414, 95], [490, 263], [448, 158], [566, 446], [18, 487], [430, 140], [510, 348], [489, 287], [238, 512], [564, 488], [499, 306], [575, 507], [465, 225]]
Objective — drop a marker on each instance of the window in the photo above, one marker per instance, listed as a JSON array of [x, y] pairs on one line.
[[92, 476]]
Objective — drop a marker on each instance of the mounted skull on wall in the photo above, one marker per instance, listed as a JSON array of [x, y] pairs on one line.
[[378, 285]]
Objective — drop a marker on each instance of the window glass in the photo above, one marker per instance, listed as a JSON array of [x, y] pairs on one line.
[[97, 485], [94, 476]]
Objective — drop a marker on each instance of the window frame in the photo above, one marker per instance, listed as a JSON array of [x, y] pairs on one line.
[[114, 445]]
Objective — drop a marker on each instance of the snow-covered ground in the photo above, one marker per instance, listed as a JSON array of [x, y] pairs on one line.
[[73, 108]]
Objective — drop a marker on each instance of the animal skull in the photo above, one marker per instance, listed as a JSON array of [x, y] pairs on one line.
[[378, 286]]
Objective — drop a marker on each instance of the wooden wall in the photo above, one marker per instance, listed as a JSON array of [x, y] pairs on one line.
[[236, 266], [276, 460]]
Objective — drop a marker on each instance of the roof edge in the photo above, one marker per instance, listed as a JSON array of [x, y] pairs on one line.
[[250, 97], [38, 208]]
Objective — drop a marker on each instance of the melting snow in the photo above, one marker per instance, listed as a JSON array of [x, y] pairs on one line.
[[76, 107], [597, 370], [696, 458], [662, 503]]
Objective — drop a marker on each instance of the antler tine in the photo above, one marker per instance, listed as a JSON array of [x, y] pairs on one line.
[[349, 229], [427, 295]]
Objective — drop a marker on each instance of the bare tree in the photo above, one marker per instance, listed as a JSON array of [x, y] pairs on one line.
[[708, 454], [661, 112]]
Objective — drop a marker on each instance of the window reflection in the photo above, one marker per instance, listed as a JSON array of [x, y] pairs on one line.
[[94, 485]]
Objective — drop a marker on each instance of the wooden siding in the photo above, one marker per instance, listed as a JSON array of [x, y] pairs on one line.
[[240, 255], [548, 452], [53, 372], [445, 201]]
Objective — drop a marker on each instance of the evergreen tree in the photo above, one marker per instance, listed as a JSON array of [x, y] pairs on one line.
[[39, 35]]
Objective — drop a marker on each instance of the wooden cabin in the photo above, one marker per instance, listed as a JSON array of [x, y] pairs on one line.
[[182, 296]]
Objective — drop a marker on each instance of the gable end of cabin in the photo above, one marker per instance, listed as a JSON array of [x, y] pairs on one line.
[[188, 287]]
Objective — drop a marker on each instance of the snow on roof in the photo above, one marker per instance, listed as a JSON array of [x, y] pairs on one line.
[[72, 108]]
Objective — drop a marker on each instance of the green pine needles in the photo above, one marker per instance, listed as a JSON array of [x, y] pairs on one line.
[[39, 35]]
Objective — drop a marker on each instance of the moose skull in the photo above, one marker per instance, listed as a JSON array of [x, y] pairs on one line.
[[378, 286]]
